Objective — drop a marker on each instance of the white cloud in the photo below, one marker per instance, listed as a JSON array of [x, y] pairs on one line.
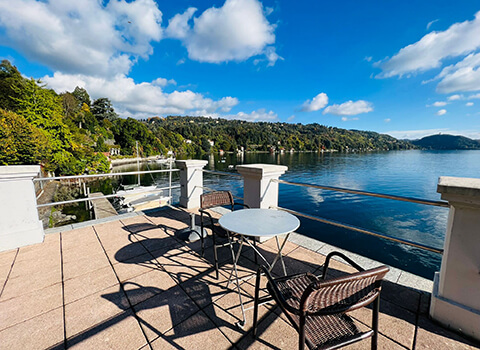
[[368, 58], [345, 119], [438, 104], [349, 108], [474, 96], [418, 134], [178, 26], [317, 103], [431, 22], [427, 53], [387, 120], [469, 104], [255, 116], [454, 97], [234, 32], [291, 118], [82, 36], [462, 76], [143, 99], [441, 112]]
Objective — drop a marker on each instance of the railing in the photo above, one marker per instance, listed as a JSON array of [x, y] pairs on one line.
[[362, 230], [221, 173], [94, 176]]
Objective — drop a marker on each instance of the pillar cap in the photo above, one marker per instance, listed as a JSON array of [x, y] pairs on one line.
[[12, 172], [261, 170], [459, 189], [191, 163]]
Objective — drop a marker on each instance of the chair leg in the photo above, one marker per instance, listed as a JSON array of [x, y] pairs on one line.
[[376, 309], [301, 333], [215, 255], [255, 305], [255, 253], [201, 238]]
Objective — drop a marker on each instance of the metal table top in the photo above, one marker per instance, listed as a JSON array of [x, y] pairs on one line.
[[259, 222]]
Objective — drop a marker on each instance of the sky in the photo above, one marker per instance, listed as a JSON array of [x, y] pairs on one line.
[[406, 68]]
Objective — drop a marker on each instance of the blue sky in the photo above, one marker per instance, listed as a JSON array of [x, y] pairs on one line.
[[406, 68]]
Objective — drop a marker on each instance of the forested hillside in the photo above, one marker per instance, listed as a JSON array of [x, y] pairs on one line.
[[66, 133], [446, 142], [229, 135]]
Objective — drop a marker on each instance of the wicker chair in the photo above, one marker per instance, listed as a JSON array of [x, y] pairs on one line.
[[211, 200], [317, 307]]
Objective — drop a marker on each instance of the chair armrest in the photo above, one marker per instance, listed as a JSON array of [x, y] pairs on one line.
[[243, 205], [204, 212], [344, 257]]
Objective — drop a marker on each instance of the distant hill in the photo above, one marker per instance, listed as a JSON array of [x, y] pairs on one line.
[[445, 142], [229, 135]]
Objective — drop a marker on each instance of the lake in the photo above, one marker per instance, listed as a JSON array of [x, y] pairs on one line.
[[404, 173]]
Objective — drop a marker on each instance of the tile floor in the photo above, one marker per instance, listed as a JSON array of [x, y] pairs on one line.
[[132, 284]]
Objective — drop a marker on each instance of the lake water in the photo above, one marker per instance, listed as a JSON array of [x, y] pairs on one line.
[[403, 173]]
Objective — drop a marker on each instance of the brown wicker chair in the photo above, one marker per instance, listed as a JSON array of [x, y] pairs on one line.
[[317, 307], [211, 200]]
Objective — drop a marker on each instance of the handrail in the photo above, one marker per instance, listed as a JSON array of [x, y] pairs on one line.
[[99, 197], [103, 175], [361, 230], [225, 173], [365, 193]]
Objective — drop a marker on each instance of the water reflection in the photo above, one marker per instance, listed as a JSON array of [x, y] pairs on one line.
[[403, 173]]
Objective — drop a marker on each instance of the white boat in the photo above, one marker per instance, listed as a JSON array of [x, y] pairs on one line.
[[137, 198]]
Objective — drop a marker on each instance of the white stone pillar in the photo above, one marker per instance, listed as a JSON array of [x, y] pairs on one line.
[[191, 182], [258, 190], [456, 291], [19, 222]]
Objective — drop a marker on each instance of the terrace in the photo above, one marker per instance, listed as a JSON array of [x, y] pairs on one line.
[[128, 282]]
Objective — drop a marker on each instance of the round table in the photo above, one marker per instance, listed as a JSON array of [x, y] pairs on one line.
[[259, 222]]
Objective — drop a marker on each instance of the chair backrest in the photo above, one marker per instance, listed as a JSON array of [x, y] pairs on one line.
[[216, 199], [346, 293]]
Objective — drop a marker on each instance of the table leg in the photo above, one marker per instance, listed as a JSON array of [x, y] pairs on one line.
[[240, 324], [279, 255]]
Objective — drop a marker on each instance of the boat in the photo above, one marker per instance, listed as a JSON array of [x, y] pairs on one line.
[[138, 198], [135, 197]]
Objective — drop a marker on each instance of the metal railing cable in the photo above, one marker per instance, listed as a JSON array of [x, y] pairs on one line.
[[99, 197], [362, 230], [366, 193], [224, 173], [213, 190], [103, 175]]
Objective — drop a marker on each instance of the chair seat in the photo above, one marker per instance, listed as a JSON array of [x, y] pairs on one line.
[[321, 332]]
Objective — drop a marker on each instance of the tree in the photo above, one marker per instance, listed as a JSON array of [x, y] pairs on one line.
[[82, 96], [102, 109], [11, 82], [21, 143]]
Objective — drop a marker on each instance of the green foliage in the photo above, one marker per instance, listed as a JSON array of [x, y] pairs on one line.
[[81, 95], [447, 142], [128, 131], [102, 109], [229, 135], [22, 143]]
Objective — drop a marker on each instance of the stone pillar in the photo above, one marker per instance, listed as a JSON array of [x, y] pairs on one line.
[[456, 290], [19, 222], [258, 191], [191, 182]]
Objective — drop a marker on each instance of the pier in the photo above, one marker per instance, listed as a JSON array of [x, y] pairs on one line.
[[102, 208]]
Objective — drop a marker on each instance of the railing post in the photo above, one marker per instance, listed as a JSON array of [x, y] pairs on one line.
[[19, 223], [258, 190], [456, 291], [191, 182]]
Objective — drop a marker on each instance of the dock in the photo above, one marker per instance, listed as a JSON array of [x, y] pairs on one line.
[[102, 208]]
